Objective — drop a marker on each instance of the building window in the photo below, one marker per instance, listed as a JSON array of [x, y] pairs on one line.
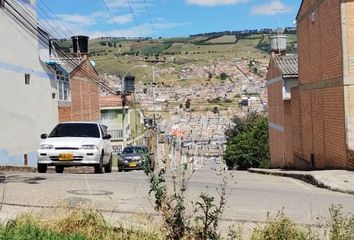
[[63, 86], [27, 79]]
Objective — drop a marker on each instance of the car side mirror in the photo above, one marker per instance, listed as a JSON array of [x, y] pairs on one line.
[[44, 136], [107, 136]]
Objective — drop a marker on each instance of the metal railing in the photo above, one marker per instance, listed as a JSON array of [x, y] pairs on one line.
[[116, 134]]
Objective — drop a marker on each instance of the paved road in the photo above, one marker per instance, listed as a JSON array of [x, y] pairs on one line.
[[249, 196]]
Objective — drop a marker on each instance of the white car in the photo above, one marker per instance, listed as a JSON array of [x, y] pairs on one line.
[[76, 144]]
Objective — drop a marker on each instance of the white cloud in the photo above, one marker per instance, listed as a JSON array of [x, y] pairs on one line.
[[76, 19], [274, 7], [123, 19], [124, 4], [145, 30], [212, 3]]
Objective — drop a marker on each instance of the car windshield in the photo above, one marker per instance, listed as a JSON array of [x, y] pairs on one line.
[[75, 130], [130, 150]]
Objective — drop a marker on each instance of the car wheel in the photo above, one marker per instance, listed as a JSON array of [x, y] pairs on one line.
[[108, 167], [99, 167], [59, 169], [42, 168]]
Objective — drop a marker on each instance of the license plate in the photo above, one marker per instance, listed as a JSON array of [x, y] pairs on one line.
[[66, 157], [132, 164]]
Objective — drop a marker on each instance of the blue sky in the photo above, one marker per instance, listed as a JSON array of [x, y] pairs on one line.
[[169, 18]]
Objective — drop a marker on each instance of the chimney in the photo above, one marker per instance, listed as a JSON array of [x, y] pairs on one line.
[[80, 45], [278, 44]]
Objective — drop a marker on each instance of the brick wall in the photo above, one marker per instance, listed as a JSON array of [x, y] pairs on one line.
[[276, 116], [348, 62], [84, 104], [322, 136]]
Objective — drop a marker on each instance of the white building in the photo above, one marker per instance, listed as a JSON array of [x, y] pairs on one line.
[[28, 94]]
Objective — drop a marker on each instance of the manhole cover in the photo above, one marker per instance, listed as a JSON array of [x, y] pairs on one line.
[[90, 192]]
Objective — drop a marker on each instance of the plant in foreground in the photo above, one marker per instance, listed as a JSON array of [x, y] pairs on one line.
[[170, 202]]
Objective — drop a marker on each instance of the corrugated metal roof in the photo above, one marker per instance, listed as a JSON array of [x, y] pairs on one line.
[[288, 64]]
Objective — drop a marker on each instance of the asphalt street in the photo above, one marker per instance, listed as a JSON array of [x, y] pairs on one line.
[[250, 197]]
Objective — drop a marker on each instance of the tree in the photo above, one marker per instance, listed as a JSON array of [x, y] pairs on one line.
[[188, 104], [247, 143], [223, 76]]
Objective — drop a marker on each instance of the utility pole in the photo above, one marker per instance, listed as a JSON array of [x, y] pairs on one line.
[[155, 126], [123, 96]]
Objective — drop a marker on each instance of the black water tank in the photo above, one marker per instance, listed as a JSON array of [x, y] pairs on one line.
[[129, 84], [82, 41]]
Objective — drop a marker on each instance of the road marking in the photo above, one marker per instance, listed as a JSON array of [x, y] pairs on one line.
[[297, 182]]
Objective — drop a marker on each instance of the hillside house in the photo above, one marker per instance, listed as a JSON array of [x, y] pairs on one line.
[[78, 90], [322, 106], [28, 104], [112, 116]]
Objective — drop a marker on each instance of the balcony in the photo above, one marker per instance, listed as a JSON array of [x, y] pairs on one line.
[[116, 134]]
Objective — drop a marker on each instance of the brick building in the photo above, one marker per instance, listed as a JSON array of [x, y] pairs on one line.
[[78, 91], [282, 76], [322, 106]]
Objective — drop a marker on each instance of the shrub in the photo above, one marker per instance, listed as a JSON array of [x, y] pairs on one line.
[[340, 227], [247, 144], [281, 228]]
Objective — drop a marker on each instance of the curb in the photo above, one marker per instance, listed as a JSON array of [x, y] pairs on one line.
[[308, 178], [70, 170]]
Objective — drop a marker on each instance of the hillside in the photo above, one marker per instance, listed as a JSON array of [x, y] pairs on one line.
[[116, 57]]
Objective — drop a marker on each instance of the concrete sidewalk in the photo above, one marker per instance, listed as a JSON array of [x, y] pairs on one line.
[[335, 180]]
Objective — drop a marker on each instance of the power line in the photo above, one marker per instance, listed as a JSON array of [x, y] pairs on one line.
[[150, 19], [34, 31], [112, 17], [135, 19]]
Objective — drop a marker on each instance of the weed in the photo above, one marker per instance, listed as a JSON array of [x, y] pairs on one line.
[[340, 227], [281, 228]]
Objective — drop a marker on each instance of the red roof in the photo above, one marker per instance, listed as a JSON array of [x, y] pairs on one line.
[[113, 101]]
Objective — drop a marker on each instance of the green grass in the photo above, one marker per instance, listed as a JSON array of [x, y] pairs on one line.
[[26, 228], [77, 225], [88, 224], [223, 39]]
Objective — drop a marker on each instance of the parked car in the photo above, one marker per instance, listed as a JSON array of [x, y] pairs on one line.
[[76, 144], [134, 158]]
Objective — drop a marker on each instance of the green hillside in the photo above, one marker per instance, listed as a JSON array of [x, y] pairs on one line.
[[118, 56]]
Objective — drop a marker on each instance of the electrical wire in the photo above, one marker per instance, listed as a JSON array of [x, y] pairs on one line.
[[150, 19], [111, 16], [24, 22], [135, 19]]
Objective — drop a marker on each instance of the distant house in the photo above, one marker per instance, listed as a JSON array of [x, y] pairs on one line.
[[112, 116], [78, 90], [28, 104]]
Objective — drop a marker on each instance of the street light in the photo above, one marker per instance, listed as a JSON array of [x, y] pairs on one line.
[[123, 95]]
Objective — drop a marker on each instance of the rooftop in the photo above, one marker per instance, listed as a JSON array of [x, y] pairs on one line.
[[288, 65], [113, 101]]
